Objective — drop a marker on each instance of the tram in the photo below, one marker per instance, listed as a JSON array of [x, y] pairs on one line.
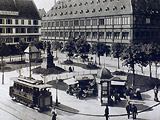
[[31, 92]]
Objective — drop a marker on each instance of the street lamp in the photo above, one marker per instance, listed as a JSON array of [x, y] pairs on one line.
[[56, 92]]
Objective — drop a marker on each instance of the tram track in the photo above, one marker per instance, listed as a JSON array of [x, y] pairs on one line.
[[23, 115]]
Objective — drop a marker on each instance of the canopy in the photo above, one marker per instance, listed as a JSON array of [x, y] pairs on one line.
[[71, 81]]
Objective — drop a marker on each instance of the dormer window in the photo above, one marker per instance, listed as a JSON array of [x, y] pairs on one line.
[[70, 5], [61, 13], [55, 14], [75, 5], [93, 10], [58, 2], [123, 7], [107, 9], [104, 0], [51, 14], [65, 6], [85, 3], [100, 9], [114, 8], [98, 1], [55, 8], [75, 12], [59, 7], [70, 12], [87, 11], [65, 13], [80, 4], [92, 2], [48, 15], [81, 11]]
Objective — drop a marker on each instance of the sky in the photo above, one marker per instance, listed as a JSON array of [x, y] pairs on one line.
[[46, 4]]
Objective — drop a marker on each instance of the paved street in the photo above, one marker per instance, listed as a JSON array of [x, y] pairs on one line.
[[90, 107]]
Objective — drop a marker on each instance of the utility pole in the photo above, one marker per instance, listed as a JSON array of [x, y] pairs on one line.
[[30, 76]]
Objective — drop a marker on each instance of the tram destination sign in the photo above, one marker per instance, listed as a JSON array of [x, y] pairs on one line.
[[9, 12]]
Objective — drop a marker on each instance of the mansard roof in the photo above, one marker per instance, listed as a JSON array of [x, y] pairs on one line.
[[25, 9], [66, 9], [88, 8]]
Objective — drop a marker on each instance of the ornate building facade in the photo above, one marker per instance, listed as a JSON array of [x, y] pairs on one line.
[[19, 21], [108, 21]]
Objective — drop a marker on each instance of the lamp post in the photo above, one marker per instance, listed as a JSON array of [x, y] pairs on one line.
[[56, 92]]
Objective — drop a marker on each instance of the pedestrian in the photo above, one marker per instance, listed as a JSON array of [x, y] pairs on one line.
[[134, 111], [54, 114], [128, 109], [156, 94], [106, 112]]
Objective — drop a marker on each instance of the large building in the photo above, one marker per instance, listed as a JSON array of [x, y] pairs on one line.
[[19, 21], [108, 21]]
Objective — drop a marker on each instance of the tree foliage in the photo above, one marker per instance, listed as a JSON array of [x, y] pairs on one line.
[[117, 50]]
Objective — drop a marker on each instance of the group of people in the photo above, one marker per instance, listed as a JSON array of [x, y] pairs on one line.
[[131, 109]]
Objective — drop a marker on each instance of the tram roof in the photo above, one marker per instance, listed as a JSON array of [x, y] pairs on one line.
[[39, 86]]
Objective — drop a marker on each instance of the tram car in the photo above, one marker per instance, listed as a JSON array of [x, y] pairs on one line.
[[31, 92]]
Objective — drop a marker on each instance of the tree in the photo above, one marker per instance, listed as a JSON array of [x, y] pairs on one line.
[[21, 47], [153, 55], [130, 58], [142, 56], [4, 51], [57, 46], [70, 47], [117, 50], [82, 47], [99, 48]]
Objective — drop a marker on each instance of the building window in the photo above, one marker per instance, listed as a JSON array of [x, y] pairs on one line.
[[2, 30], [66, 23], [49, 24], [117, 35], [108, 35], [35, 22], [76, 34], [36, 30], [23, 30], [76, 22], [57, 23], [94, 22], [148, 21], [61, 23], [94, 35], [117, 21], [101, 21], [82, 33], [57, 34], [53, 24], [125, 35], [29, 22], [16, 22], [81, 22], [8, 21], [66, 34], [22, 22], [125, 20], [9, 30], [1, 21], [88, 34], [101, 35], [61, 34], [71, 23], [88, 22], [93, 10], [109, 21]]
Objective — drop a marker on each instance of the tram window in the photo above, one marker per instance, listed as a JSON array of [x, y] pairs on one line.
[[18, 86], [27, 89]]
